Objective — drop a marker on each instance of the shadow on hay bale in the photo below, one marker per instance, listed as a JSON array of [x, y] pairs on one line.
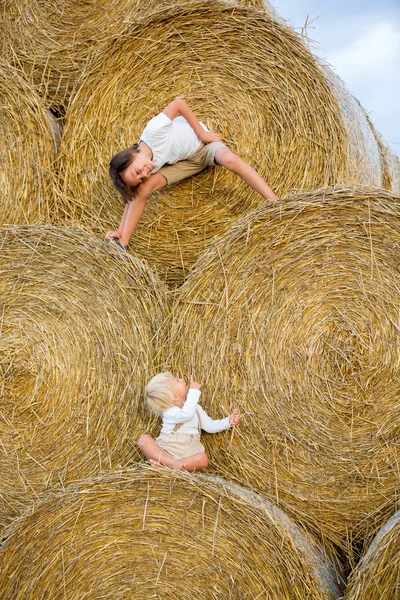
[[147, 533], [245, 75], [80, 331], [52, 40], [27, 152], [293, 318], [376, 577]]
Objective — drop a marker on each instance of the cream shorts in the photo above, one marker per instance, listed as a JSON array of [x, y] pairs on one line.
[[202, 158], [180, 445]]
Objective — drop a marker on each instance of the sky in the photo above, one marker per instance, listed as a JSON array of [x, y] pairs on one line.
[[360, 39]]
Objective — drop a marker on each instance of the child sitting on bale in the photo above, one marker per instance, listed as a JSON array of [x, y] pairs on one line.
[[178, 444], [170, 149]]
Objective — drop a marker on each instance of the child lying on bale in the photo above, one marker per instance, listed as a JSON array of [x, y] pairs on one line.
[[174, 145]]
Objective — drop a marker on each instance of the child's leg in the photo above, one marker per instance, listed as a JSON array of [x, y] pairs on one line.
[[154, 452], [228, 159], [196, 462]]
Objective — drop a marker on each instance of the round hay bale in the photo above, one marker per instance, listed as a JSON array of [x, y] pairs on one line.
[[52, 40], [79, 336], [292, 317], [392, 165], [27, 153], [376, 577], [245, 75], [363, 152], [147, 533], [390, 162]]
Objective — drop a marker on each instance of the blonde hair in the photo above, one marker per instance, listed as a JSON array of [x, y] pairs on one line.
[[159, 394]]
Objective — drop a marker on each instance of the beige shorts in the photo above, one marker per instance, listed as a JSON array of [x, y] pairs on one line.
[[202, 158], [180, 445]]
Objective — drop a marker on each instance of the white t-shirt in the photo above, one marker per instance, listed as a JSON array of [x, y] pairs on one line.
[[170, 141], [190, 414]]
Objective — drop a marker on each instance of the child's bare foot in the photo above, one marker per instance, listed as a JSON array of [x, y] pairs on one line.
[[178, 466]]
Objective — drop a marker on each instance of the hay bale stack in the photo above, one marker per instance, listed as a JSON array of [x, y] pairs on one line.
[[27, 152], [292, 317], [149, 533], [79, 335], [246, 76], [376, 577]]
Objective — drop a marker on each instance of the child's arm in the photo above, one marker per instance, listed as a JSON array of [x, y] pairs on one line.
[[214, 426], [134, 208], [179, 107], [113, 234], [188, 410]]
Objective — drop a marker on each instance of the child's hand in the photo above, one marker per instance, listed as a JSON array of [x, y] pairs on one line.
[[234, 418], [210, 136], [193, 384], [111, 234]]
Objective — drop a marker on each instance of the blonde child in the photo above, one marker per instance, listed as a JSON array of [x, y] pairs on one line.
[[178, 444]]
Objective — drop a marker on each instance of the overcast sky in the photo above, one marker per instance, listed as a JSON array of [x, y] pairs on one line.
[[361, 40]]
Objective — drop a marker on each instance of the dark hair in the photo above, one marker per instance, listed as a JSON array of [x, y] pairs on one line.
[[118, 164]]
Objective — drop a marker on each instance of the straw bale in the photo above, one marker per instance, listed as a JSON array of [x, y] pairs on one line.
[[155, 533], [390, 162], [292, 317], [27, 152], [376, 576], [246, 76], [51, 40], [364, 161], [79, 335]]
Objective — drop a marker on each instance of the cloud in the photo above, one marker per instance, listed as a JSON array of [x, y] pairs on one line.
[[374, 55]]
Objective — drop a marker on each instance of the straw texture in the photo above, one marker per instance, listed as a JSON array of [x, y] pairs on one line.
[[376, 577], [80, 327], [390, 162], [393, 169], [292, 317], [363, 165], [246, 76], [149, 533], [52, 40], [27, 152]]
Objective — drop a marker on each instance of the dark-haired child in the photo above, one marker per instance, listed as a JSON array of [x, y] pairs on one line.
[[174, 145]]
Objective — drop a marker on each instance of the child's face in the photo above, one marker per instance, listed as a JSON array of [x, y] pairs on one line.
[[179, 389], [139, 170]]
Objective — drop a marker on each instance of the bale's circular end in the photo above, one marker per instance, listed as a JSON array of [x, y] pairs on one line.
[[149, 533], [293, 319], [79, 334], [27, 153], [376, 576], [246, 76]]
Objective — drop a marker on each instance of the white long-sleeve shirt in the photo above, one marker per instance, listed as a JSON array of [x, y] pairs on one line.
[[189, 415]]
